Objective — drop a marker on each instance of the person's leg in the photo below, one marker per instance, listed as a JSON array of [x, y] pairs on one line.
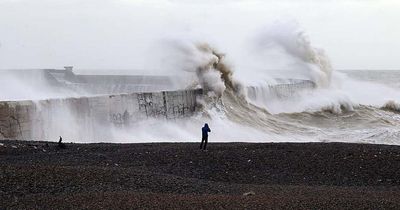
[[201, 144], [205, 142]]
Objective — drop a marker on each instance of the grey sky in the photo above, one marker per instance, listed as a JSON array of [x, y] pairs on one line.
[[122, 33]]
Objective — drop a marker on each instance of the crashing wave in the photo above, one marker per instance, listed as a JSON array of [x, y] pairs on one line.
[[391, 106], [215, 75], [295, 42], [338, 108]]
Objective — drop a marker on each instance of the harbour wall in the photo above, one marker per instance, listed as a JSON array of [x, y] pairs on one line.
[[91, 117], [282, 90]]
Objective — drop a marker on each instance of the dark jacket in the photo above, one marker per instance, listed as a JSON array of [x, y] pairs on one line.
[[205, 130]]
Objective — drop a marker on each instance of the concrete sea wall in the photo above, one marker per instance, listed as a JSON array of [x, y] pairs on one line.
[[91, 117], [283, 90]]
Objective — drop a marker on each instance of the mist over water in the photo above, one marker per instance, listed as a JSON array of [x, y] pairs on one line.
[[28, 85]]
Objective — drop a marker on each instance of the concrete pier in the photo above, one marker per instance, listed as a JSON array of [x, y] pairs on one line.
[[91, 117]]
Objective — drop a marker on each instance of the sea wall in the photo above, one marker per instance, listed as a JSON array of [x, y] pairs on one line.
[[91, 117], [284, 89]]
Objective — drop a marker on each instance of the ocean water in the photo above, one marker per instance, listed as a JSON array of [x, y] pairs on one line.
[[386, 77], [359, 106]]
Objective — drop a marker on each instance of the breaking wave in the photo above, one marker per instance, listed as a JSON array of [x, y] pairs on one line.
[[294, 42], [391, 106], [334, 109]]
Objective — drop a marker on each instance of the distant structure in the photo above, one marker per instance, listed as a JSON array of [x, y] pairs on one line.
[[95, 84], [121, 84], [283, 88], [68, 68]]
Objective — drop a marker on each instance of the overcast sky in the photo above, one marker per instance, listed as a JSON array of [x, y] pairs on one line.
[[122, 34]]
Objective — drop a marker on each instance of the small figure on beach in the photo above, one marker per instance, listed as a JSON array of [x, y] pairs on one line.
[[204, 136], [60, 144]]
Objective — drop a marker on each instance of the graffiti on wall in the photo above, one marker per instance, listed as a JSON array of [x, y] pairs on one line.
[[120, 118], [151, 107], [157, 105], [179, 110]]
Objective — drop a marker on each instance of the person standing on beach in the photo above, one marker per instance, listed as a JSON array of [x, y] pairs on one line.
[[204, 136], [60, 144]]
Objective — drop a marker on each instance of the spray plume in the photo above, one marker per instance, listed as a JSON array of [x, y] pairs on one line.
[[215, 66], [294, 42]]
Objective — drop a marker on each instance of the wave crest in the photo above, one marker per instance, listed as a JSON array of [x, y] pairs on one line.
[[391, 106]]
